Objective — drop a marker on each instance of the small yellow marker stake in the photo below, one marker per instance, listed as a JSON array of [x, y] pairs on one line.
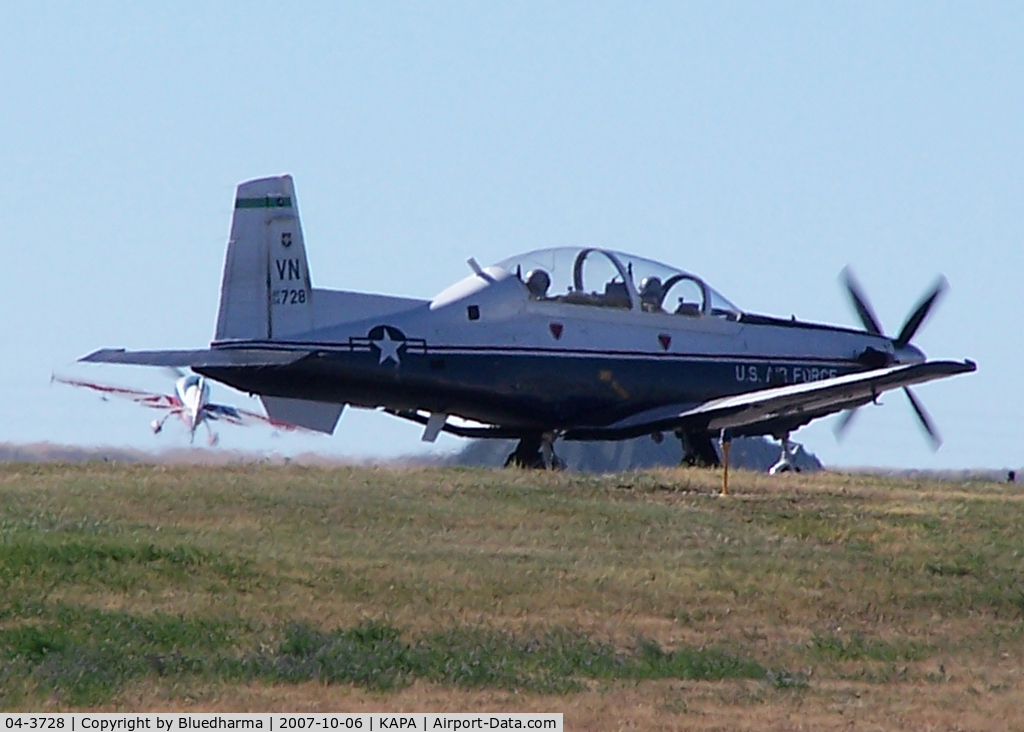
[[725, 466]]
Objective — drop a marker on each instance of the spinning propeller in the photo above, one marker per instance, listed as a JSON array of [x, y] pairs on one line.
[[900, 343]]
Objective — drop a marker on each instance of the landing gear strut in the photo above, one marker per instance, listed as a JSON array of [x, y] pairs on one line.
[[212, 438], [535, 452], [787, 461], [698, 450]]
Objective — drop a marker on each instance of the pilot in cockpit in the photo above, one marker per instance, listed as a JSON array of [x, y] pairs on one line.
[[537, 282], [651, 294]]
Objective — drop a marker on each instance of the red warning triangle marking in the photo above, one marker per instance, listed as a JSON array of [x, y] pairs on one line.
[[556, 330], [665, 340]]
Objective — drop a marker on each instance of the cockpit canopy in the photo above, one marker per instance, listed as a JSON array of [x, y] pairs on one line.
[[604, 278]]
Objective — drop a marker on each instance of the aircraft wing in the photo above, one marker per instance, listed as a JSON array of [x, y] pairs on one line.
[[211, 357], [155, 400], [244, 417], [781, 407]]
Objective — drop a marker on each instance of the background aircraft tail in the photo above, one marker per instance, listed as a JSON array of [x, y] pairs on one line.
[[266, 292]]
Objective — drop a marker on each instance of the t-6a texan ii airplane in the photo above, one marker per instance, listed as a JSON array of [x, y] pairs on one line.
[[577, 344]]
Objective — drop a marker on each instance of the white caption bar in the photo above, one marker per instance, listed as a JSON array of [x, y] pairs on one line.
[[283, 722]]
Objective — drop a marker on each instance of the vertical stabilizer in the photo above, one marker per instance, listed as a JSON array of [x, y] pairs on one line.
[[266, 291], [317, 416]]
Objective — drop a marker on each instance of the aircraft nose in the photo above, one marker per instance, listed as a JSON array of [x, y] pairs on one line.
[[910, 354]]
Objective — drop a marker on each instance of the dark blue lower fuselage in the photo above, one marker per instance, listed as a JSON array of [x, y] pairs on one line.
[[529, 390]]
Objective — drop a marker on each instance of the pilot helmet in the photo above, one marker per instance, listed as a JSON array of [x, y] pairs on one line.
[[537, 282], [651, 288]]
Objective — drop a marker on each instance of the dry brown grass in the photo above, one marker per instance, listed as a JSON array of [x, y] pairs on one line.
[[893, 604], [652, 705]]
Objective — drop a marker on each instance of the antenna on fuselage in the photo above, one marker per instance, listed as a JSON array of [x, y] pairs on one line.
[[478, 270]]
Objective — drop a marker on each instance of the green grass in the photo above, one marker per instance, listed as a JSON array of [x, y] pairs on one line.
[[83, 657], [856, 647], [189, 577]]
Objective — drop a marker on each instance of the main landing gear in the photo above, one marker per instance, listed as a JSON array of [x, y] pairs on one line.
[[212, 438], [698, 450], [157, 425], [536, 452]]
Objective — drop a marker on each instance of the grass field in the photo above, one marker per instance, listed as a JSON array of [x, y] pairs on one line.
[[627, 601]]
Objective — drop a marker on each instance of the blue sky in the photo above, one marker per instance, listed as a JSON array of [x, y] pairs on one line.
[[763, 146]]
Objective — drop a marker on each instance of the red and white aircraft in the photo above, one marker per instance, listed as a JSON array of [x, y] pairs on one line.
[[190, 402]]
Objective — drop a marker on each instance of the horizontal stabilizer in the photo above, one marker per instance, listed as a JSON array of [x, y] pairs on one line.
[[215, 357]]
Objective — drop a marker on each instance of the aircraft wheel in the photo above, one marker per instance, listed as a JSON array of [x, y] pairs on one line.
[[529, 454], [533, 462], [698, 450]]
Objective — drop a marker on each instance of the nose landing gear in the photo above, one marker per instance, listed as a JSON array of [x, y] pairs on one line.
[[787, 460]]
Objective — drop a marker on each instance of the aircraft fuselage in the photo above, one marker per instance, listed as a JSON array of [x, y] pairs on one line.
[[541, 368]]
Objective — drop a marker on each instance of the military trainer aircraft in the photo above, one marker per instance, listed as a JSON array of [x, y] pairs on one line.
[[190, 402], [577, 344]]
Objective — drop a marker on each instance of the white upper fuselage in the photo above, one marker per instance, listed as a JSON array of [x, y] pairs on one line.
[[506, 315]]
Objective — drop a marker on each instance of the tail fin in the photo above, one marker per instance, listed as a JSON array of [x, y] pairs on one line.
[[316, 416], [266, 292]]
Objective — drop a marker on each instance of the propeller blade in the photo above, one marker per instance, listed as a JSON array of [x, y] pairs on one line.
[[920, 313], [923, 416], [844, 423], [860, 304]]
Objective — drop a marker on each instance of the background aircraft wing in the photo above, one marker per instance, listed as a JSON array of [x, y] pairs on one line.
[[777, 409], [243, 417], [156, 400]]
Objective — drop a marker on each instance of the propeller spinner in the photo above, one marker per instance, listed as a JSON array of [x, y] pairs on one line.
[[905, 353]]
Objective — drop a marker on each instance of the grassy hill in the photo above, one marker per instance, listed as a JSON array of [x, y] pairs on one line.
[[635, 599]]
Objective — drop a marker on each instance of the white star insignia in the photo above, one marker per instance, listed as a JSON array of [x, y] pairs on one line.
[[388, 349]]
